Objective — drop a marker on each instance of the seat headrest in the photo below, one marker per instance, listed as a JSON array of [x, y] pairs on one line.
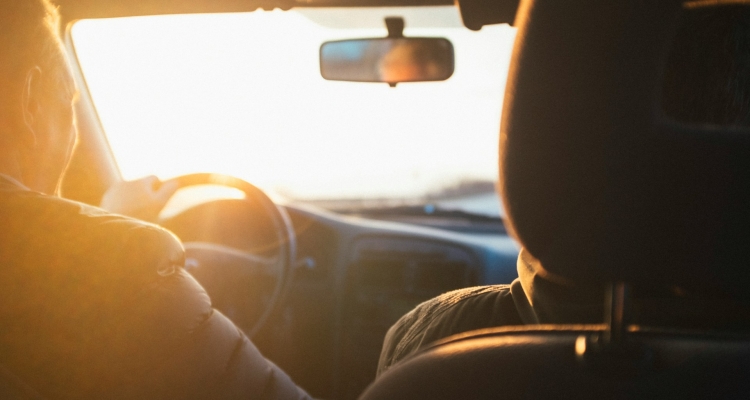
[[601, 178]]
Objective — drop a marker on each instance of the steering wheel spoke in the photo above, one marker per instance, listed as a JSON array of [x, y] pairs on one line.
[[227, 259], [243, 285]]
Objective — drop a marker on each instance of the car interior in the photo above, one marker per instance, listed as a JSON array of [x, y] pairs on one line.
[[315, 238], [315, 283]]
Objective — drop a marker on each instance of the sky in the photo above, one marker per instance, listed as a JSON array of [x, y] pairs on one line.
[[241, 94]]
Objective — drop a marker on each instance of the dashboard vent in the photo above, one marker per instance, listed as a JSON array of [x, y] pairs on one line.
[[410, 266]]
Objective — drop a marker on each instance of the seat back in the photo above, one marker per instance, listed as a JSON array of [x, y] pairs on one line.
[[601, 181], [550, 362]]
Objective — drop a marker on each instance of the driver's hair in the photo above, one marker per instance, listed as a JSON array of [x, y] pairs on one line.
[[29, 37]]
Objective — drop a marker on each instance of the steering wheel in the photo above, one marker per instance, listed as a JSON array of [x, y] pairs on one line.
[[244, 285]]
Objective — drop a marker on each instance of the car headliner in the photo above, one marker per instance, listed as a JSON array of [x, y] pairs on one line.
[[79, 9]]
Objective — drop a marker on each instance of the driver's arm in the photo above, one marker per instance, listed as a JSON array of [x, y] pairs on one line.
[[142, 198]]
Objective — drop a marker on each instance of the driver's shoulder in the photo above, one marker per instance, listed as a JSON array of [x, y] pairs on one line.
[[41, 224], [64, 249], [108, 287]]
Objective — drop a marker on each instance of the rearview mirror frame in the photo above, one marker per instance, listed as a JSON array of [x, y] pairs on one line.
[[389, 60]]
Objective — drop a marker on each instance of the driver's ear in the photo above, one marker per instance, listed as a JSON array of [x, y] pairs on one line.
[[31, 105]]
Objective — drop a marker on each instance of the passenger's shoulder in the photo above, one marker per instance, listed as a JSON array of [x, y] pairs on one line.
[[459, 299], [451, 313]]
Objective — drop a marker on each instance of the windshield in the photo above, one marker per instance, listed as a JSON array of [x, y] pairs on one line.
[[241, 94]]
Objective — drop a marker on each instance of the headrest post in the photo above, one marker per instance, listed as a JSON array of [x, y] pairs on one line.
[[611, 353], [617, 312]]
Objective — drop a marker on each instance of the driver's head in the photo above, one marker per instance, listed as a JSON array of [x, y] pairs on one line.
[[413, 60], [37, 130]]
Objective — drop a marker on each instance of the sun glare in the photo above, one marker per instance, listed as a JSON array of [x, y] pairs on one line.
[[241, 94]]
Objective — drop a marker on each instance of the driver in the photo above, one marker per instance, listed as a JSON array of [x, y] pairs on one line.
[[707, 81], [95, 305], [413, 60]]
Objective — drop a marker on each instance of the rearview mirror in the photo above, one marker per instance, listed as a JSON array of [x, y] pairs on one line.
[[390, 60]]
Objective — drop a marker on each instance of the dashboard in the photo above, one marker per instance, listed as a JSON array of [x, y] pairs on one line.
[[354, 278]]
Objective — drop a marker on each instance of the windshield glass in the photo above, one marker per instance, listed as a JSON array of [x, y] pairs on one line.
[[241, 94]]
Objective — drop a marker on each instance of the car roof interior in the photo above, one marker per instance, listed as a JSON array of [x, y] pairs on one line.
[[478, 12], [73, 9]]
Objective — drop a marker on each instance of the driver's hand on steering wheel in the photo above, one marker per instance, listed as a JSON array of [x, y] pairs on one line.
[[142, 198]]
